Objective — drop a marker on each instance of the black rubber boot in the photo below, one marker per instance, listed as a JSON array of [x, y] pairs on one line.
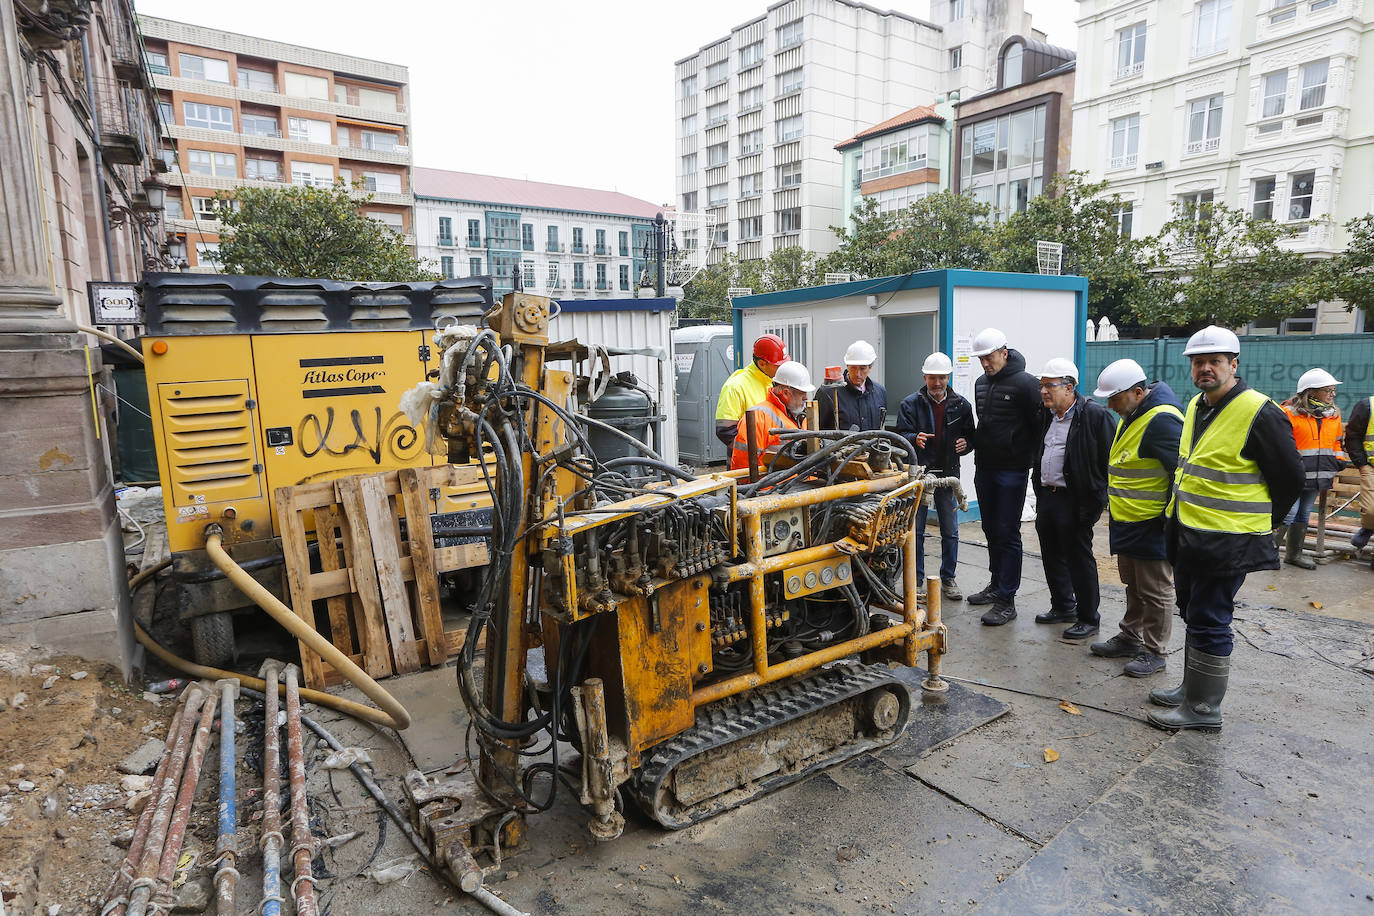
[[1162, 697], [1280, 533], [1205, 687], [1297, 536]]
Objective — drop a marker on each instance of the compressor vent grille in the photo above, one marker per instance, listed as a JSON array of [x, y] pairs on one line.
[[211, 452]]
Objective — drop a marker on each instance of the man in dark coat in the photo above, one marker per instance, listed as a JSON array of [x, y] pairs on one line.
[[858, 402]]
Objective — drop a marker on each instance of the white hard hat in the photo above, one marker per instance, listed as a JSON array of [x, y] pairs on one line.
[[937, 364], [1212, 339], [1119, 376], [1059, 367], [794, 375], [1316, 378], [860, 353], [987, 340]]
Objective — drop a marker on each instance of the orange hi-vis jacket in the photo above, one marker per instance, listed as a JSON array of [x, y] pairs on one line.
[[769, 414], [1319, 443]]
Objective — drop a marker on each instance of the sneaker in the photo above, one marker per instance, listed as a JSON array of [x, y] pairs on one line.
[[1053, 616], [1078, 631], [1119, 646], [1144, 664], [1361, 538], [987, 596], [1001, 612], [949, 590]]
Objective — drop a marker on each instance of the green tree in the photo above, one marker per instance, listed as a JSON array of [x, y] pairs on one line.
[[1213, 263], [792, 267], [705, 295], [1349, 275], [1077, 214], [300, 231], [940, 230], [862, 249]]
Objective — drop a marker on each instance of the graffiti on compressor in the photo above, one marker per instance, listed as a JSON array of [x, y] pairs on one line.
[[394, 438]]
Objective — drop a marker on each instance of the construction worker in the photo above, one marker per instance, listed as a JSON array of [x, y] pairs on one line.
[[1238, 473], [1359, 447], [858, 402], [1070, 478], [748, 386], [781, 408], [1008, 400], [939, 423], [1317, 431], [1144, 456]]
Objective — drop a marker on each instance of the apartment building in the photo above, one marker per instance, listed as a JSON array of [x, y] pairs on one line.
[[239, 111], [1257, 104], [760, 111], [898, 161], [565, 242]]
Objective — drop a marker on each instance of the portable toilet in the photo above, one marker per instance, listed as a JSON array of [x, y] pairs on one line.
[[705, 358]]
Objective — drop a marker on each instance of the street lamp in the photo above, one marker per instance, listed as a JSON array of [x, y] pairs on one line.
[[156, 192]]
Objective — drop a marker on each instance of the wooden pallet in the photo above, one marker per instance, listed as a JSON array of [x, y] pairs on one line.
[[380, 589]]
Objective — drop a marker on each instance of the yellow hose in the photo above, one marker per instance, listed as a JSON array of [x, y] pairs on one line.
[[112, 339], [392, 713]]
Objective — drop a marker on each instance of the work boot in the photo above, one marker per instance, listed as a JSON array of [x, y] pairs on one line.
[[949, 590], [1119, 646], [1161, 697], [986, 596], [1144, 664], [1205, 687], [1001, 612], [1297, 534], [1360, 538]]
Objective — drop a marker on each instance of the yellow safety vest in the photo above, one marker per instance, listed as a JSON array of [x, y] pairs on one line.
[[1215, 487], [1369, 431], [1137, 488], [742, 390]]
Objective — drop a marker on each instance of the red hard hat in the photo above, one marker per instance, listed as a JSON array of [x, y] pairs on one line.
[[770, 349]]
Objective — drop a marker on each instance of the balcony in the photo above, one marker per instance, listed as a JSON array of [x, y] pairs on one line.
[[555, 284], [1123, 162], [445, 241], [125, 54], [502, 243], [602, 286], [1195, 147], [121, 123], [602, 251], [555, 248], [579, 248], [1130, 70], [579, 284]]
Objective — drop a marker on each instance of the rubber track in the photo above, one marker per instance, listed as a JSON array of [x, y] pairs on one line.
[[754, 713]]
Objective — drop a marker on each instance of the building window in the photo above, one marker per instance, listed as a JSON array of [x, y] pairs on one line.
[[689, 86], [750, 54], [790, 35], [689, 125], [1313, 85], [551, 244], [789, 128], [528, 279], [371, 99], [1197, 207], [309, 130], [203, 162], [1204, 125], [579, 276], [751, 142], [716, 195], [360, 138], [789, 220], [211, 207], [751, 227], [795, 335], [751, 98], [157, 62], [1300, 195], [474, 267], [446, 266], [895, 199], [309, 174], [956, 58], [527, 236], [790, 82], [717, 114], [751, 185], [1321, 5], [445, 230], [208, 253], [1262, 198], [1275, 92], [1212, 31], [601, 247], [956, 10], [789, 174], [554, 281], [195, 67], [577, 246], [474, 233], [689, 202], [171, 207], [1283, 11], [722, 235], [262, 169], [901, 151], [260, 125], [1002, 160], [382, 182], [601, 277], [207, 117], [624, 276], [717, 72], [1125, 141], [1011, 65], [624, 244], [257, 80], [503, 232], [689, 164], [165, 111], [1124, 216], [306, 87], [1130, 50], [716, 154]]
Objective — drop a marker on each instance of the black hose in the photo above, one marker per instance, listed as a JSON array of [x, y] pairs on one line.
[[646, 461]]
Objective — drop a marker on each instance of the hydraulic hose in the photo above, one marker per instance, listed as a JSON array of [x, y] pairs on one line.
[[119, 341]]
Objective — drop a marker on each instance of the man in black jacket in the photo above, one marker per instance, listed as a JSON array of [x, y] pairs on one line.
[[940, 424], [1359, 437], [858, 402], [1008, 400], [1070, 476]]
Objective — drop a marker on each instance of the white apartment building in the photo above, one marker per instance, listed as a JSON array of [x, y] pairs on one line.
[[566, 242], [1257, 104], [759, 111]]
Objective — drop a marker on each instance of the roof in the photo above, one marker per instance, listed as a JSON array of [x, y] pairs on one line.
[[911, 116], [514, 192]]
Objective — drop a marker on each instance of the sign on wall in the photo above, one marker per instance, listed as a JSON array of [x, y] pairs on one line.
[[114, 303]]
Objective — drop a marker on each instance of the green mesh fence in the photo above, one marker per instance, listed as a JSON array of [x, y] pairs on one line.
[[1271, 364]]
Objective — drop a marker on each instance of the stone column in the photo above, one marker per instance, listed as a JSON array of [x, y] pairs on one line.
[[61, 552]]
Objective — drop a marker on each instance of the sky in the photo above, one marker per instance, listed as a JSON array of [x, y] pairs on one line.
[[545, 90]]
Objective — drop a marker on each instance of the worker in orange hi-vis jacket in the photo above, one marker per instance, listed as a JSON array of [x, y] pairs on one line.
[[779, 409]]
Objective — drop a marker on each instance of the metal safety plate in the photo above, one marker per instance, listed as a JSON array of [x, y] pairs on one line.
[[816, 577]]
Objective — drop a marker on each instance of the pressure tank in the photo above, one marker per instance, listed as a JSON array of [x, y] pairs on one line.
[[627, 409]]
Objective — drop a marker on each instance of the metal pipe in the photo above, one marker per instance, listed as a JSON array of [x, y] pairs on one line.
[[302, 843], [759, 505], [779, 562], [911, 607], [161, 895], [935, 649], [495, 903], [607, 824], [119, 884], [145, 876], [226, 847], [751, 442], [271, 795], [758, 620]]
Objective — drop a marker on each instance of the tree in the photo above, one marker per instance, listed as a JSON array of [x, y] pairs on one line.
[[792, 267], [1213, 263], [947, 229], [705, 294], [301, 231], [863, 250], [1349, 275]]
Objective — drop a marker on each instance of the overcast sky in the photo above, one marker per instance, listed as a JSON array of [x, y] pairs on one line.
[[548, 90]]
